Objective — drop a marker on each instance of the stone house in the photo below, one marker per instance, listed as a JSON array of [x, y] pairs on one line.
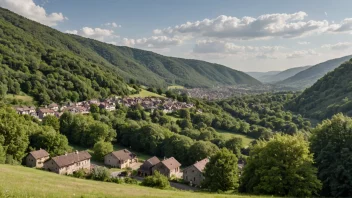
[[168, 167], [194, 173], [146, 168], [120, 159], [45, 112], [37, 158], [68, 163]]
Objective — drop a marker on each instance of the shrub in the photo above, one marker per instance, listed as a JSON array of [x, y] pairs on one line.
[[100, 174], [157, 181], [129, 180], [79, 174]]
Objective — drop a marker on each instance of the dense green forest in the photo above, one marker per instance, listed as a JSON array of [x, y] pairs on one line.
[[53, 66], [330, 95]]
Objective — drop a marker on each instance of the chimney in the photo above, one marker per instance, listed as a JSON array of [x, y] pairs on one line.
[[76, 152]]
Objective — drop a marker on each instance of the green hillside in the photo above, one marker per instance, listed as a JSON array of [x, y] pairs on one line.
[[308, 77], [50, 65], [18, 181], [330, 95], [282, 75]]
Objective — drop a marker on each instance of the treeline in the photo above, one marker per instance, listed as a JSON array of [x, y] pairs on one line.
[[21, 134], [290, 165]]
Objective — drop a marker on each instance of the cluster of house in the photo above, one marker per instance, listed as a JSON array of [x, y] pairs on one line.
[[71, 162], [148, 103], [73, 107]]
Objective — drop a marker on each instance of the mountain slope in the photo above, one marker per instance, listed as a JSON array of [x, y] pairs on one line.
[[309, 76], [262, 75], [329, 95], [138, 64], [283, 75]]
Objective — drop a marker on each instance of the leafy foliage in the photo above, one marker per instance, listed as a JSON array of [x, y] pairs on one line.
[[221, 172], [282, 166], [156, 180], [101, 149], [332, 148]]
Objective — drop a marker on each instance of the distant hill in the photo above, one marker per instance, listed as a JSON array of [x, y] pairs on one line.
[[329, 95], [283, 75], [308, 77], [262, 75], [52, 66]]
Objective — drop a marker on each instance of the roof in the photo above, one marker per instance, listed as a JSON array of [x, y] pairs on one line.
[[123, 154], [46, 110], [39, 154], [201, 164], [153, 160], [71, 158], [149, 163], [171, 163]]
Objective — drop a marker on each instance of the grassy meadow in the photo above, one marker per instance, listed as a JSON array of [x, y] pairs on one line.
[[144, 93], [19, 181]]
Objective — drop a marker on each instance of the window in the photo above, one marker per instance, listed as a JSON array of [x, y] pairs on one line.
[[194, 179]]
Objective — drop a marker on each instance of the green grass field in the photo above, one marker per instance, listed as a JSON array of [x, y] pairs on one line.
[[246, 139], [144, 93], [175, 87], [19, 181], [24, 98]]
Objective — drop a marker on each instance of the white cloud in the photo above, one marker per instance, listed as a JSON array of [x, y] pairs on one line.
[[302, 53], [344, 26], [303, 43], [265, 26], [153, 42], [113, 25], [337, 46], [29, 9], [212, 46], [94, 33]]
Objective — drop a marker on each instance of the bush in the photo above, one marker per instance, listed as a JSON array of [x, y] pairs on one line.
[[129, 180], [80, 174], [100, 174], [116, 180], [157, 181]]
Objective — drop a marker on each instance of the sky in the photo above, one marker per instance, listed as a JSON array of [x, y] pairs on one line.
[[255, 35]]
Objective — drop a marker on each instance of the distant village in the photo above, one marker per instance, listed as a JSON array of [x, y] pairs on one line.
[[148, 103]]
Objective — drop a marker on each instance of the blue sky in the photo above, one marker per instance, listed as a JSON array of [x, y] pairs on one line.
[[245, 35]]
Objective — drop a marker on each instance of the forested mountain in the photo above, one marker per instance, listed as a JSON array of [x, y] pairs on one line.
[[308, 77], [51, 65], [262, 75], [329, 95], [283, 75]]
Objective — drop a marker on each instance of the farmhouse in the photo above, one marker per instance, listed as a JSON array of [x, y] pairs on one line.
[[68, 163], [45, 112], [37, 158], [168, 167], [194, 173], [120, 159], [146, 168]]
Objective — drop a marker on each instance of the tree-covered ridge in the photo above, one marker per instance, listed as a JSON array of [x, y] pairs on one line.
[[308, 77], [50, 65], [330, 95], [153, 69], [265, 113], [36, 60]]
